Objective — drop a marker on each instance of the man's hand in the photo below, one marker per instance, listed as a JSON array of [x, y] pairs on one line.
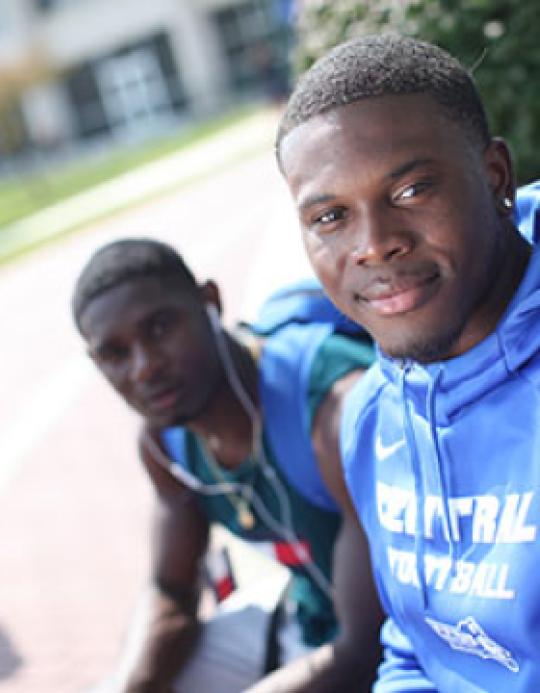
[[166, 625]]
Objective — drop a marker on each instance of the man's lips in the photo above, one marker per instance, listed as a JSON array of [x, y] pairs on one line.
[[163, 400], [402, 295]]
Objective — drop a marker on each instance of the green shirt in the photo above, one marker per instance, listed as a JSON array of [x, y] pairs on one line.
[[315, 527]]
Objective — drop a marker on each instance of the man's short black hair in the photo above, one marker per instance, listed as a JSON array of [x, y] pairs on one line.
[[387, 64], [125, 260]]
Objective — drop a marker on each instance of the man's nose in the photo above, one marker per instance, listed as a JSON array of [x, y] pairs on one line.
[[143, 363], [379, 238]]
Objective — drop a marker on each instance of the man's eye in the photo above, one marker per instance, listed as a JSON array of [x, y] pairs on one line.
[[411, 191], [408, 192], [113, 354], [331, 216], [157, 329], [159, 326]]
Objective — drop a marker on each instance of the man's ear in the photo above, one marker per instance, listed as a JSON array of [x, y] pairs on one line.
[[500, 174], [210, 294]]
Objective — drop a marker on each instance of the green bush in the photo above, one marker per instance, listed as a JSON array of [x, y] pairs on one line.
[[496, 39]]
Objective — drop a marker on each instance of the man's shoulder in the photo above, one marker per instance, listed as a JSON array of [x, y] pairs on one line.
[[361, 406], [366, 395]]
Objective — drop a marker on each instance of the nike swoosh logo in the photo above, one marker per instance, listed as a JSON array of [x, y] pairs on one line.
[[383, 452]]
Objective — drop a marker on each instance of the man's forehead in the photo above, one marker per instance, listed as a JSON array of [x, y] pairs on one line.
[[391, 111], [373, 128], [135, 300]]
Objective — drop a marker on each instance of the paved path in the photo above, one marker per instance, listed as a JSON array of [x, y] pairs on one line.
[[74, 504], [251, 134]]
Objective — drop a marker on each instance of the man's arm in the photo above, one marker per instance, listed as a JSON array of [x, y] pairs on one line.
[[170, 625], [349, 663]]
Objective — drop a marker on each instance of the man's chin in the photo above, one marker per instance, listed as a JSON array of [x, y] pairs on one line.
[[183, 418], [424, 350], [182, 415], [165, 419], [169, 420]]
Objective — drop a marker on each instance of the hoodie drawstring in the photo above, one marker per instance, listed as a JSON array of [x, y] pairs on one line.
[[441, 478], [419, 535]]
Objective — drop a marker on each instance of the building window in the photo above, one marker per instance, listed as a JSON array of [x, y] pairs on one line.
[[84, 95], [134, 89], [254, 37]]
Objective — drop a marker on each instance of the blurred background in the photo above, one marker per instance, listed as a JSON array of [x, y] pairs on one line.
[[84, 83], [155, 118]]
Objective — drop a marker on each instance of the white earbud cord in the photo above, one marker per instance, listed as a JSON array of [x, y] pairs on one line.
[[286, 530]]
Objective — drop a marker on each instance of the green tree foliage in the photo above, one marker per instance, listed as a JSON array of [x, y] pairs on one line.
[[496, 39]]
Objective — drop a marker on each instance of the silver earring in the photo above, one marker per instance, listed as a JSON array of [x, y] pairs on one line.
[[507, 203]]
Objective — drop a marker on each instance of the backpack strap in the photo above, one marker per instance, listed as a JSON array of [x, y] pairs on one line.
[[302, 302], [293, 322], [284, 376]]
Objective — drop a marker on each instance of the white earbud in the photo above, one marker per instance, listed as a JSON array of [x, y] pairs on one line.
[[213, 317]]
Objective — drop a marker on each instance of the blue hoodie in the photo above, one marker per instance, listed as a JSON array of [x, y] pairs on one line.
[[450, 500]]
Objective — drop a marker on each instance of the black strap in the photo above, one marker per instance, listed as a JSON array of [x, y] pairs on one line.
[[273, 650]]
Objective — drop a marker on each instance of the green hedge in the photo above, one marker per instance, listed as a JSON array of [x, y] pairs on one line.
[[496, 39]]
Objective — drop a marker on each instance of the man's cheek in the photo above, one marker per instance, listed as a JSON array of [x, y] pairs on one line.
[[322, 259]]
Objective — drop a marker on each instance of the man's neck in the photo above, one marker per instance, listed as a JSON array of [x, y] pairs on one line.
[[226, 427], [515, 256]]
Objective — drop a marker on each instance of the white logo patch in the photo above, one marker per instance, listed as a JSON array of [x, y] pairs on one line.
[[384, 451], [470, 638]]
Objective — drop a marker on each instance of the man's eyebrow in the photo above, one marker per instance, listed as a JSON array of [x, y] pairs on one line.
[[401, 170], [409, 166], [100, 344], [312, 200]]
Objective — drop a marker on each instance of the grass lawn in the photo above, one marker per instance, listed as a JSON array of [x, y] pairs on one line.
[[29, 193]]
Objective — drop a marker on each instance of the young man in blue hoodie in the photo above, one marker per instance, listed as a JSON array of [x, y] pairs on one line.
[[407, 206]]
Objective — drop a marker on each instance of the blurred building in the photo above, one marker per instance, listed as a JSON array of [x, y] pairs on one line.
[[74, 70]]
